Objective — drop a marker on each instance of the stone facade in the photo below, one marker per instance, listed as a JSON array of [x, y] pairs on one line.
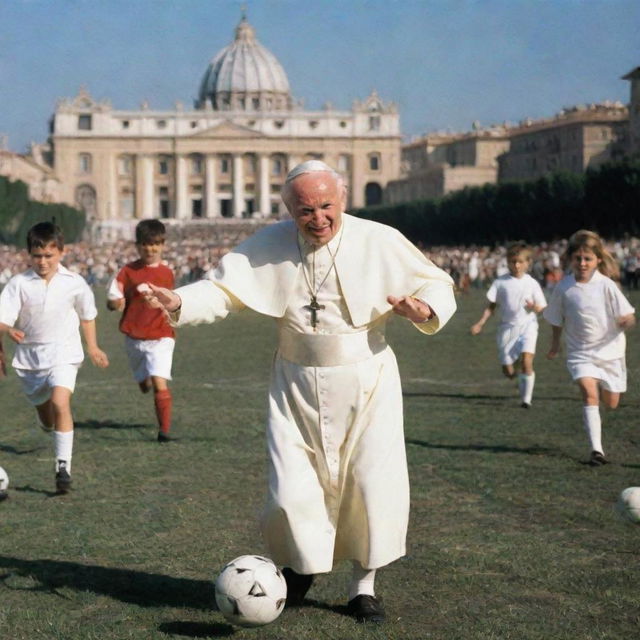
[[225, 158], [33, 170], [228, 156], [634, 110], [438, 164], [575, 140]]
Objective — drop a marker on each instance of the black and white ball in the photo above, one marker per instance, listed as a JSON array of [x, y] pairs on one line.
[[629, 504], [4, 484], [251, 591]]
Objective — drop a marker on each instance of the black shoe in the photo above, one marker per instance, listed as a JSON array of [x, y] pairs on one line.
[[526, 405], [165, 437], [297, 586], [3, 495], [597, 459], [366, 609], [63, 478]]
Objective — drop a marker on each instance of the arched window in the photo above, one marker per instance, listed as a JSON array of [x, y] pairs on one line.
[[372, 194], [126, 204], [84, 163], [374, 162], [277, 165], [196, 164], [344, 163], [86, 200], [125, 166], [164, 164]]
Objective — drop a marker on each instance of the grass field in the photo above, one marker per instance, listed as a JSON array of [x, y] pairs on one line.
[[512, 536]]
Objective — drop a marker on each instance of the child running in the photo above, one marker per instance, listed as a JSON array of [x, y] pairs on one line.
[[594, 313], [149, 338], [41, 310], [520, 299]]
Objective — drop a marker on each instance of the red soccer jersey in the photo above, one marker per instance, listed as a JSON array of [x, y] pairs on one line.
[[139, 320]]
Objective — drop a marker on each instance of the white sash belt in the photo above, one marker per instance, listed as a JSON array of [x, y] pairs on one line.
[[329, 350]]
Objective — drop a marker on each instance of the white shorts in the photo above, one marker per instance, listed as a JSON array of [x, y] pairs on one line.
[[514, 341], [611, 374], [38, 385], [150, 357]]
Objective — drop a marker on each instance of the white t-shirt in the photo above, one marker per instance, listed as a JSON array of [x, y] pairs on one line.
[[589, 312], [512, 294], [49, 314]]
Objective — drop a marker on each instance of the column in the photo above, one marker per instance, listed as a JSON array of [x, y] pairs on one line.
[[238, 186], [183, 210], [355, 193], [113, 209], [212, 205], [292, 161], [265, 186], [144, 186]]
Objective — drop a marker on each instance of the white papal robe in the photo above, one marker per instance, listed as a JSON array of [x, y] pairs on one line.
[[338, 482]]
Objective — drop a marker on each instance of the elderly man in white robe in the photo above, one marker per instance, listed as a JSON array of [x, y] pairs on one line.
[[338, 483]]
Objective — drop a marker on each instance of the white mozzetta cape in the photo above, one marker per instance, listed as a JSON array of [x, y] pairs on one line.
[[374, 261]]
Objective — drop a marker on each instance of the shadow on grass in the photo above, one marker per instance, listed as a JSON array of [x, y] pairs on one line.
[[459, 396], [5, 448], [107, 424], [196, 629], [493, 398], [135, 587], [493, 448], [340, 609], [29, 489]]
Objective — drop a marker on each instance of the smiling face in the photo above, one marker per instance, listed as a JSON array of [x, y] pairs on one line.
[[583, 264], [45, 260], [316, 201]]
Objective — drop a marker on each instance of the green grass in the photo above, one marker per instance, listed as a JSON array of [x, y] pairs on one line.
[[511, 535]]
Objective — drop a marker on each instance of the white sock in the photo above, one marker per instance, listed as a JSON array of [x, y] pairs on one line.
[[63, 447], [362, 581], [525, 384], [593, 426]]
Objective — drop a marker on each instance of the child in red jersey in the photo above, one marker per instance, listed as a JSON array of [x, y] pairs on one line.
[[149, 337]]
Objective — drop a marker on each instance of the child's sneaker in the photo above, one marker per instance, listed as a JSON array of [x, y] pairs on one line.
[[165, 437], [63, 478]]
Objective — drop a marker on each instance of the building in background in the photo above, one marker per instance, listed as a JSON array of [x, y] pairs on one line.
[[33, 169], [225, 158], [440, 163], [634, 110], [576, 139]]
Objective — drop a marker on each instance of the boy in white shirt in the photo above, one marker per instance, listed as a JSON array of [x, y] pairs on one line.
[[41, 310], [520, 299]]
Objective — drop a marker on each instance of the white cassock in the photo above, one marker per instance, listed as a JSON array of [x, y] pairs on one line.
[[338, 481]]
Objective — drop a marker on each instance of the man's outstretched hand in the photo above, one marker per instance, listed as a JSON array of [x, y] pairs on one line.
[[411, 308], [159, 297]]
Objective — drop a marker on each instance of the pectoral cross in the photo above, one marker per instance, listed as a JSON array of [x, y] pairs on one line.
[[314, 307]]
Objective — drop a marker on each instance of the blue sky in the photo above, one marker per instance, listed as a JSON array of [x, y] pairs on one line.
[[445, 63]]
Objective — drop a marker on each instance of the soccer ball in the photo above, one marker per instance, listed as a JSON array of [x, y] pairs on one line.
[[251, 591], [4, 484], [629, 504]]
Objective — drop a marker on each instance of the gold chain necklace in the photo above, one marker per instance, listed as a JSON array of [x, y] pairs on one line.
[[313, 305]]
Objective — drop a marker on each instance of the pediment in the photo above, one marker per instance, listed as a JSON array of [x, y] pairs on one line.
[[229, 129]]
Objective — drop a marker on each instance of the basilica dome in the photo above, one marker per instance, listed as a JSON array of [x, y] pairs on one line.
[[245, 76]]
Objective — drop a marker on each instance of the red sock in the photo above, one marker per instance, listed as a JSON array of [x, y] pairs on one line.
[[163, 402]]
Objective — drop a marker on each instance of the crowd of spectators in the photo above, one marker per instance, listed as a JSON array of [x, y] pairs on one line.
[[193, 257]]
